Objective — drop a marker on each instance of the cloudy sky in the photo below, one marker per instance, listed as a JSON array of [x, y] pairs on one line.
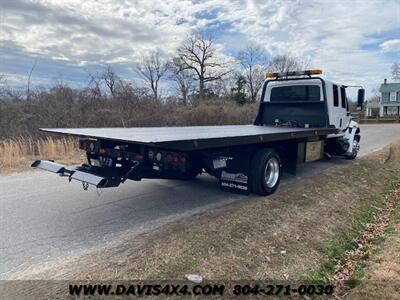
[[354, 42]]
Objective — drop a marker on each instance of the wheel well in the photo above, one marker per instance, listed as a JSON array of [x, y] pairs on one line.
[[244, 155], [287, 152]]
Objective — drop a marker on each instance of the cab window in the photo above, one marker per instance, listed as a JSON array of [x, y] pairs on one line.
[[335, 95], [295, 93], [343, 96]]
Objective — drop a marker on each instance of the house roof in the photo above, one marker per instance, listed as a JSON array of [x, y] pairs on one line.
[[390, 87]]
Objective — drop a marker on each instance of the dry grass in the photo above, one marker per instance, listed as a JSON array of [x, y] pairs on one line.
[[380, 277], [17, 154], [349, 268]]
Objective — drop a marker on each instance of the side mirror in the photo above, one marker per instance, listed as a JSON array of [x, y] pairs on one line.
[[360, 98]]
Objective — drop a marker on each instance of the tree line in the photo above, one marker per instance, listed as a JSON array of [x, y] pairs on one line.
[[197, 70], [204, 87]]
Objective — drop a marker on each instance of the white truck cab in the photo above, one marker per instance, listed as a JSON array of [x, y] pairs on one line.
[[302, 100]]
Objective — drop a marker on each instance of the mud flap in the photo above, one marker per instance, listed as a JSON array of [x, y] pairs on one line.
[[234, 182]]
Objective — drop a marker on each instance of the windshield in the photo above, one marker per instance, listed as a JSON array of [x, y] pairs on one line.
[[295, 93]]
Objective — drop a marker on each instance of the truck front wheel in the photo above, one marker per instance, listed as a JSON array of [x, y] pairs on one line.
[[265, 172], [356, 148]]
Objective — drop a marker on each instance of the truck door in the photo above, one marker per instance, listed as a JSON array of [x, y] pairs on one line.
[[340, 116], [336, 109], [344, 105]]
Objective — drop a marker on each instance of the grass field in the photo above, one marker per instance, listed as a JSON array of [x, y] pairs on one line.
[[17, 154]]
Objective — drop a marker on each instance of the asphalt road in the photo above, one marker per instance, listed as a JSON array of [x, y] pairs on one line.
[[43, 217]]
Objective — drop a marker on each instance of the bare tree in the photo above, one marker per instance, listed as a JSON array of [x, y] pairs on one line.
[[253, 62], [182, 77], [151, 70], [286, 63], [28, 90], [93, 85], [199, 54], [395, 70], [3, 86], [3, 80], [111, 80]]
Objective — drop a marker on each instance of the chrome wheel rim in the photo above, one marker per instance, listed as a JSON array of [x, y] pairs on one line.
[[271, 172], [356, 147]]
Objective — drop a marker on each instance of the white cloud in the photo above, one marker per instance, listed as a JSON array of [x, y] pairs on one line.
[[391, 45], [98, 31], [332, 33]]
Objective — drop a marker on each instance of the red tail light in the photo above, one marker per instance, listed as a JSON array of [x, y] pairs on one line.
[[139, 157]]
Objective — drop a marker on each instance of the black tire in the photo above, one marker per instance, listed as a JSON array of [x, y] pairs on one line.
[[353, 155], [259, 171]]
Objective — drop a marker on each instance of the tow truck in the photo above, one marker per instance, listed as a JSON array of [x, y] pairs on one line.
[[301, 118]]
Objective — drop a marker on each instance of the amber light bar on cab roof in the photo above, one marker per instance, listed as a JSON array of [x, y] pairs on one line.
[[294, 73]]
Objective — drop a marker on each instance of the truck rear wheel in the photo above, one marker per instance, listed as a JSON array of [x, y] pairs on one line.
[[265, 172]]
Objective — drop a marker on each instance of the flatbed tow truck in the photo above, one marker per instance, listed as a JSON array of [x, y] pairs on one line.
[[301, 118]]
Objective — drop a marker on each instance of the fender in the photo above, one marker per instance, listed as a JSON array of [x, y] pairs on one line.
[[351, 131]]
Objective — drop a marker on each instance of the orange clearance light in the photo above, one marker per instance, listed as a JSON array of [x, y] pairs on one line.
[[313, 72], [294, 73], [271, 74]]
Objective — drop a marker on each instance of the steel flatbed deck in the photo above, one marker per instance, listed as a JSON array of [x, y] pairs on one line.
[[195, 137]]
